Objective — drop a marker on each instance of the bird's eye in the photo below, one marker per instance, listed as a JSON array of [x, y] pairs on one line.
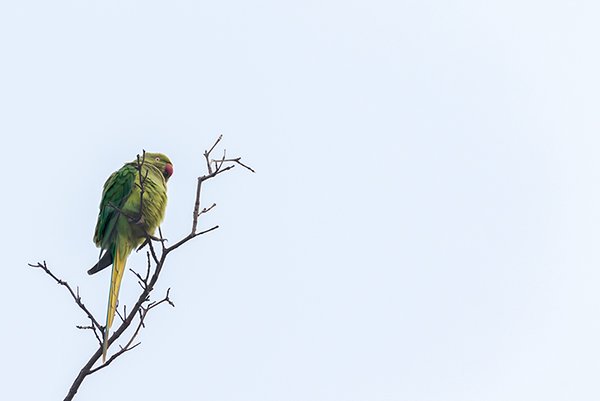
[[157, 159]]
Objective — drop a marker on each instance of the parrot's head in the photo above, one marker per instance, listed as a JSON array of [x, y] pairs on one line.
[[161, 162]]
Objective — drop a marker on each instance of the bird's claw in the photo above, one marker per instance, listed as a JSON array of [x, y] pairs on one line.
[[153, 238]]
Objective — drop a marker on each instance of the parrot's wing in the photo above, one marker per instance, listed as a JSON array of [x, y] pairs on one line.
[[117, 189]]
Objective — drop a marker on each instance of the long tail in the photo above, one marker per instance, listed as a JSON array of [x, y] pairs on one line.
[[119, 259]]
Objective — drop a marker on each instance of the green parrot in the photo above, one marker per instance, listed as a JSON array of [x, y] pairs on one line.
[[120, 228]]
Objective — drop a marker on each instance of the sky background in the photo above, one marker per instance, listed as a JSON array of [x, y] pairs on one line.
[[424, 223]]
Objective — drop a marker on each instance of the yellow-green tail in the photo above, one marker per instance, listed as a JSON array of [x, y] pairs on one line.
[[115, 283]]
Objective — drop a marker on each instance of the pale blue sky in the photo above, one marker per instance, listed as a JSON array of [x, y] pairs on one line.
[[423, 224]]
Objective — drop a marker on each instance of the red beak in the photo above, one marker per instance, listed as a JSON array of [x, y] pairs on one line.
[[169, 169]]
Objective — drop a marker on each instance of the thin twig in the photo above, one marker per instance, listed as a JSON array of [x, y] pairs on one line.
[[207, 153], [189, 237], [141, 183], [238, 161], [162, 239], [152, 252], [140, 278], [119, 314], [208, 209], [93, 329], [77, 298]]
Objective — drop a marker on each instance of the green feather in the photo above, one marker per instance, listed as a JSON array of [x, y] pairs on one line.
[[117, 190]]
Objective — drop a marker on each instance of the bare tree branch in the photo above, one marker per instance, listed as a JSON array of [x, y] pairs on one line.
[[76, 297], [147, 283], [128, 347]]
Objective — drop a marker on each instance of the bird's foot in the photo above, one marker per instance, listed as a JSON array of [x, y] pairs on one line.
[[153, 238]]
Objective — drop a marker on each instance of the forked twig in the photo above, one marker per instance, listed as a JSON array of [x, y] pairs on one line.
[[76, 297]]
